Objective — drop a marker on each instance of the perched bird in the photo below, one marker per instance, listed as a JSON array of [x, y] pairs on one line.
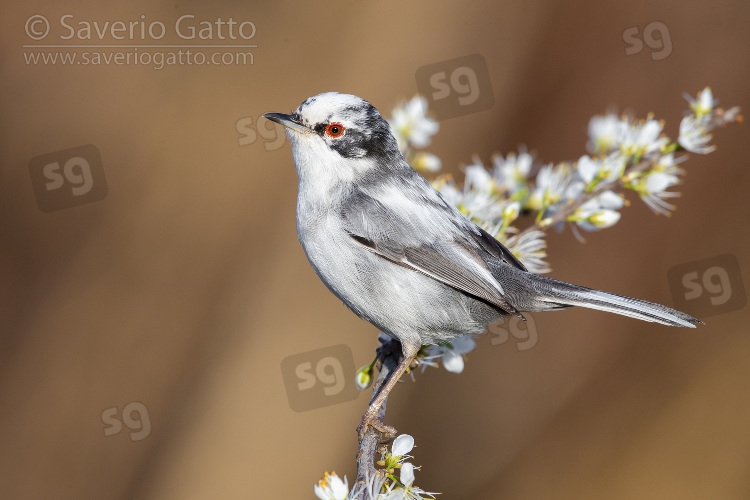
[[388, 244]]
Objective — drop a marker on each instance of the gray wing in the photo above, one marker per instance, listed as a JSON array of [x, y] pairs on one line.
[[497, 249], [448, 248]]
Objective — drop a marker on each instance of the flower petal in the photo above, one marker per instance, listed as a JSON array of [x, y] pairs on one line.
[[402, 445], [453, 362], [407, 474]]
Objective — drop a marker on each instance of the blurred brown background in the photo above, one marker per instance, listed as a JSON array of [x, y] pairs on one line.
[[185, 287]]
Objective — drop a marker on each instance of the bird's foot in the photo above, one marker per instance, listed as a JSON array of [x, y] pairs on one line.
[[387, 433]]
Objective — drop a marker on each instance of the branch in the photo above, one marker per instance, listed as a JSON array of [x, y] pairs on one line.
[[389, 354]]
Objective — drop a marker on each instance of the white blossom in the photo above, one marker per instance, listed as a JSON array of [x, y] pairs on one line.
[[425, 162], [588, 169], [402, 445], [694, 135], [511, 173], [593, 171], [529, 248], [642, 138], [599, 212], [655, 192], [605, 133], [411, 126], [477, 200], [652, 185], [477, 178], [447, 187], [451, 353], [331, 487], [407, 474], [372, 487], [511, 211], [703, 105], [552, 183]]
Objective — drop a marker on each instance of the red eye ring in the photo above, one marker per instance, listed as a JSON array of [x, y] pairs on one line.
[[335, 130]]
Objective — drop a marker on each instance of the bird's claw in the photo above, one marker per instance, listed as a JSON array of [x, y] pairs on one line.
[[387, 433]]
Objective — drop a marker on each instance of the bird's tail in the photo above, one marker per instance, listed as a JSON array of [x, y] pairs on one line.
[[555, 294]]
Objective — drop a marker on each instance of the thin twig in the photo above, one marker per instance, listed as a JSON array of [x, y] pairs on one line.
[[389, 354]]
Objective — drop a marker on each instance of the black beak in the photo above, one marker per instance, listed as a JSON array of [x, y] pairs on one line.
[[286, 120]]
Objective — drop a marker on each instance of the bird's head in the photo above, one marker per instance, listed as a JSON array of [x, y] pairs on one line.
[[340, 135]]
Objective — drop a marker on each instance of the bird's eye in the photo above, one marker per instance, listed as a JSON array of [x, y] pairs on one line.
[[334, 130]]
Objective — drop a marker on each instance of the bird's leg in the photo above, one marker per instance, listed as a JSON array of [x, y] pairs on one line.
[[371, 415]]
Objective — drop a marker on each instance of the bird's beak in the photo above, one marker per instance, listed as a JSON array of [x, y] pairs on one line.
[[287, 121]]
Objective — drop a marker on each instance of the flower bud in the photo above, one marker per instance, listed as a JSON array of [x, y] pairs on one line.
[[363, 377], [604, 218]]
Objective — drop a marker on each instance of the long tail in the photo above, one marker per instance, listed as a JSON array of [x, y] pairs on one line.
[[555, 294]]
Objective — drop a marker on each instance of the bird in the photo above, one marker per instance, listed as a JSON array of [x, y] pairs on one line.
[[398, 254]]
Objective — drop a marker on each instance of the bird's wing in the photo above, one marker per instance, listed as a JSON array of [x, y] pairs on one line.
[[446, 249], [496, 249]]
